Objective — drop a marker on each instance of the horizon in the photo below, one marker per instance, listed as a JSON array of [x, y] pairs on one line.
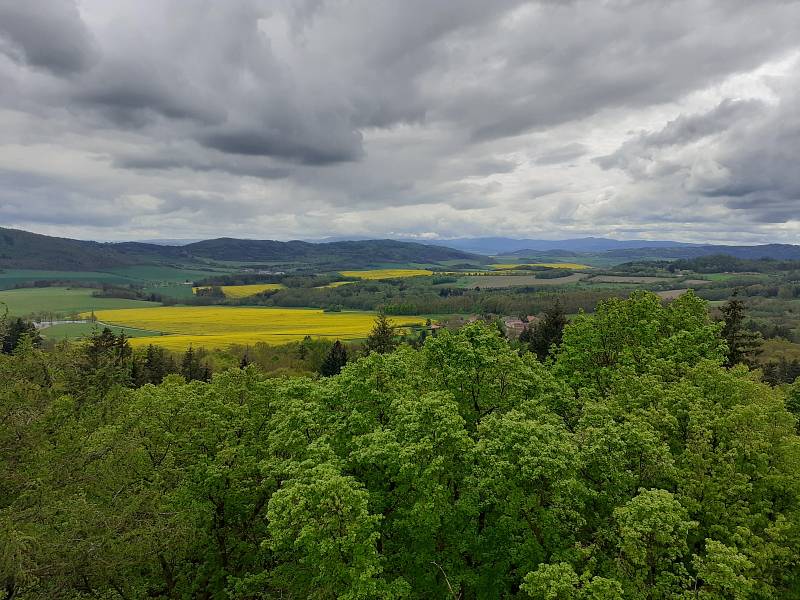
[[419, 240], [264, 120]]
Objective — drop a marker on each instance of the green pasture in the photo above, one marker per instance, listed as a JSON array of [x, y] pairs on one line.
[[61, 301]]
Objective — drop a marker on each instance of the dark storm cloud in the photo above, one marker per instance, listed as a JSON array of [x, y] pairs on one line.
[[47, 34], [215, 111]]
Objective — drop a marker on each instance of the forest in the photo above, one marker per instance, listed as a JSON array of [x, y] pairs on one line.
[[638, 457]]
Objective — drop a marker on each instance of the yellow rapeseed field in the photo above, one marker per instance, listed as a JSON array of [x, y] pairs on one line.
[[243, 291], [386, 273], [219, 327], [336, 284], [511, 266]]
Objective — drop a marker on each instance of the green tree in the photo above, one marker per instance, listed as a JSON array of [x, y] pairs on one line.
[[743, 344], [334, 361], [381, 338], [546, 333], [191, 367]]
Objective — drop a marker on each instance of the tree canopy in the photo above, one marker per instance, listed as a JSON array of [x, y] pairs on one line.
[[632, 465]]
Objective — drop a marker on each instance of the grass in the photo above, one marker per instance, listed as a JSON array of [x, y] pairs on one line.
[[573, 266], [61, 301], [386, 273], [74, 331], [245, 291], [220, 327]]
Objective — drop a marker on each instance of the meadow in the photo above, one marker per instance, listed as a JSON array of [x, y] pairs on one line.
[[386, 273], [61, 301], [215, 327]]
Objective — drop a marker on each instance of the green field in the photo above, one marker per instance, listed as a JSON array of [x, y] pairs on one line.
[[179, 291], [12, 277], [163, 274], [61, 301], [72, 331]]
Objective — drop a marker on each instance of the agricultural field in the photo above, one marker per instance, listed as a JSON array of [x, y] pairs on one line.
[[512, 266], [75, 331], [507, 281], [61, 301], [386, 273], [336, 284], [245, 291], [216, 327], [12, 277], [628, 279]]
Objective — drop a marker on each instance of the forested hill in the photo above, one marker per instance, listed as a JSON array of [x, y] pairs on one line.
[[350, 252], [24, 250]]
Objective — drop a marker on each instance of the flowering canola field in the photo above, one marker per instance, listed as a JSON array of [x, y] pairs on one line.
[[220, 327], [386, 273], [243, 291]]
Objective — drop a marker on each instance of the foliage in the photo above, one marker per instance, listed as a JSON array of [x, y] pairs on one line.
[[546, 333], [743, 344], [633, 466]]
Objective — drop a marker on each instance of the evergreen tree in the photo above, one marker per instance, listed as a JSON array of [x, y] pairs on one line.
[[743, 344], [336, 359], [381, 338], [14, 330], [191, 369], [541, 336], [157, 364]]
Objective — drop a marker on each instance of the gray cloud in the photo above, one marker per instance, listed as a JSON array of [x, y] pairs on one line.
[[301, 119], [47, 34]]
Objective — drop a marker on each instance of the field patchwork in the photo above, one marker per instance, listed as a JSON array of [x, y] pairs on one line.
[[386, 273], [220, 327]]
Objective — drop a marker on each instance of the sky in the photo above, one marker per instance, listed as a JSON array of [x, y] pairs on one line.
[[286, 119]]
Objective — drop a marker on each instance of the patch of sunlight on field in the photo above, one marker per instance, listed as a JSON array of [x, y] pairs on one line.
[[219, 327], [245, 291], [508, 266], [386, 273]]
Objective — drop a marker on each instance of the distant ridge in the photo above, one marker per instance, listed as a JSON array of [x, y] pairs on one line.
[[24, 250], [505, 245]]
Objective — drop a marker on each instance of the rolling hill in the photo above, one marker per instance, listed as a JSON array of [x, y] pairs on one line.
[[24, 250]]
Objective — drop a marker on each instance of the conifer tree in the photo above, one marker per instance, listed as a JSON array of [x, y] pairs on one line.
[[381, 338], [743, 344], [541, 336], [334, 361]]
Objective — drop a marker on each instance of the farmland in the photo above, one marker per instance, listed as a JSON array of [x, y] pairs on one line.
[[221, 327], [377, 274], [511, 266], [73, 331], [506, 281], [61, 301], [245, 291]]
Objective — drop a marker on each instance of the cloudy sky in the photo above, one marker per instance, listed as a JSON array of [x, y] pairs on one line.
[[662, 119]]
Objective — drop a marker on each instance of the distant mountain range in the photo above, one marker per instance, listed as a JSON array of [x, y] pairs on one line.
[[23, 250], [491, 246]]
